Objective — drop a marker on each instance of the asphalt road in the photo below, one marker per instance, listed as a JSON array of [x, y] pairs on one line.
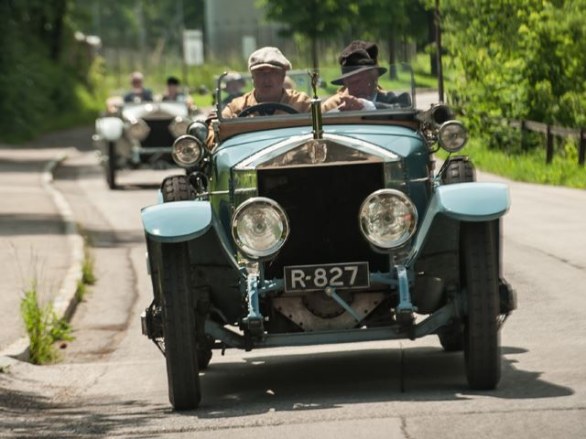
[[112, 380]]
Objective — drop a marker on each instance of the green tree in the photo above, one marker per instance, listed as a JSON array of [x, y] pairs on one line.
[[519, 59], [316, 20], [395, 21]]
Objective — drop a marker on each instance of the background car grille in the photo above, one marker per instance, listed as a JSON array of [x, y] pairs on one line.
[[322, 203], [159, 134]]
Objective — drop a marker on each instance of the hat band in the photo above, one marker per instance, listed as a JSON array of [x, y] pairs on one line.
[[349, 69]]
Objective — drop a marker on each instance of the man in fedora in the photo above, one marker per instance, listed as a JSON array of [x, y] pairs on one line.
[[268, 67], [359, 80]]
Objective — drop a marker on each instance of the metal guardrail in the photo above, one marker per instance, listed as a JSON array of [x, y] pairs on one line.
[[550, 131]]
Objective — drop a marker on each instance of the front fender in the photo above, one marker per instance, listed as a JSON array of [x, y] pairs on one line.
[[463, 202], [471, 201], [109, 128], [177, 221]]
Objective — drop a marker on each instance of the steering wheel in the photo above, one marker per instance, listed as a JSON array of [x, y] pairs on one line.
[[267, 109]]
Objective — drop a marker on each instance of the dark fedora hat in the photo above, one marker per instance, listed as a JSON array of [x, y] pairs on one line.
[[358, 56]]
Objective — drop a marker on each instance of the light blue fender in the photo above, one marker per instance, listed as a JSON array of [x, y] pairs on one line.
[[464, 202], [177, 221]]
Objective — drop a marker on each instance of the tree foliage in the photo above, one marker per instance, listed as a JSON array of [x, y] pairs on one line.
[[519, 59], [316, 20], [34, 79], [378, 20]]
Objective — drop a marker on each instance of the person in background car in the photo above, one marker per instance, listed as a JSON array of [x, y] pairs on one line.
[[138, 93], [173, 92], [268, 67], [233, 86], [359, 80]]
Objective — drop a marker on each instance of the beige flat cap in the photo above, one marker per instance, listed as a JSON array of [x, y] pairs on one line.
[[268, 57]]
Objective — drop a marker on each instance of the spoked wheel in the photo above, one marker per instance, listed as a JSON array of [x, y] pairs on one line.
[[179, 327], [111, 166], [480, 280]]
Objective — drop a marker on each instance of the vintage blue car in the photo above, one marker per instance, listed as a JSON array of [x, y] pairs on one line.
[[318, 228]]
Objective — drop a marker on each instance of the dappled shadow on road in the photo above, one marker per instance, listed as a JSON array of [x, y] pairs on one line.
[[22, 164], [137, 186], [28, 414], [105, 238], [31, 224], [78, 137], [263, 384], [327, 380]]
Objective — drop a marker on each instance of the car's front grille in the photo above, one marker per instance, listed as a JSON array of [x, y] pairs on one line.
[[159, 134], [322, 203]]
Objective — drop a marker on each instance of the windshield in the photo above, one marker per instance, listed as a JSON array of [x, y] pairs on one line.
[[388, 89]]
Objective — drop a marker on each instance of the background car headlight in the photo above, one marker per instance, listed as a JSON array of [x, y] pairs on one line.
[[388, 218], [187, 150], [452, 136], [138, 129], [260, 227], [178, 126]]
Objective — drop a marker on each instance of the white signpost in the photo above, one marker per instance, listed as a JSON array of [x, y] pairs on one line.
[[193, 47]]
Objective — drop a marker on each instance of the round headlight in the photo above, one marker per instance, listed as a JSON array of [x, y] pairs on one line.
[[187, 150], [452, 136], [138, 129], [388, 218], [178, 126], [260, 227]]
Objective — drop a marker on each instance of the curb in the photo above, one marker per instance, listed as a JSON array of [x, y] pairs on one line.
[[64, 302]]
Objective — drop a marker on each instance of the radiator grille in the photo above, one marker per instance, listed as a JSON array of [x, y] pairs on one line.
[[322, 203], [159, 134]]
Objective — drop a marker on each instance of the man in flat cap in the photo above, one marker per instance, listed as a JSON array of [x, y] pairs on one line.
[[359, 78], [138, 92], [268, 67]]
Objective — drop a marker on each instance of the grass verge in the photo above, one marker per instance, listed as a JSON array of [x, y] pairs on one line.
[[529, 167], [88, 276]]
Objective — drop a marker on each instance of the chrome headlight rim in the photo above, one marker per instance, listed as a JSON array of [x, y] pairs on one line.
[[452, 135], [178, 126], [138, 129], [405, 236], [187, 150], [253, 253]]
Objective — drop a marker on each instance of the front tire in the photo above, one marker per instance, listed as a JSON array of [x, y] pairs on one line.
[[458, 169], [111, 166], [177, 188], [480, 280], [179, 328]]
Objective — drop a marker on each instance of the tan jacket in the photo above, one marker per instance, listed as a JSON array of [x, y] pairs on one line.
[[298, 100]]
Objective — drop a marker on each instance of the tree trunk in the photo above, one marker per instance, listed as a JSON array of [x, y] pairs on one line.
[[432, 43], [314, 57], [392, 56]]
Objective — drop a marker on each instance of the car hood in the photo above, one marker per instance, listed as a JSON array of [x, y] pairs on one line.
[[154, 110], [296, 146]]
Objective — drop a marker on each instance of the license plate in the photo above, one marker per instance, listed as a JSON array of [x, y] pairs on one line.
[[317, 277]]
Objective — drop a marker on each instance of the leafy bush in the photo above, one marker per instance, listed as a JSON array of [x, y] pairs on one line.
[[518, 59]]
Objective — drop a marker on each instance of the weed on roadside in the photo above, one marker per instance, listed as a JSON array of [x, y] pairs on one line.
[[43, 327]]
